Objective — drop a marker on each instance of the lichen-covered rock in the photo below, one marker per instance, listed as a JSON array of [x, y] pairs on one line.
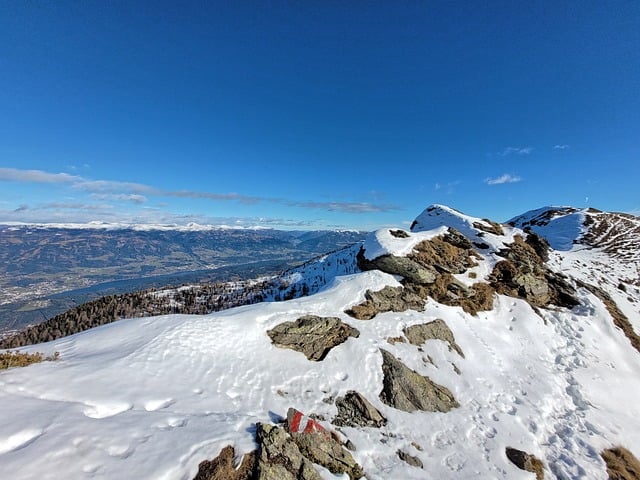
[[409, 391], [525, 461], [223, 468], [280, 458], [435, 330], [354, 410], [312, 335], [449, 291], [389, 299], [489, 226]]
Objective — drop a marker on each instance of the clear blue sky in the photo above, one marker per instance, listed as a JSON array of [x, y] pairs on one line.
[[316, 114]]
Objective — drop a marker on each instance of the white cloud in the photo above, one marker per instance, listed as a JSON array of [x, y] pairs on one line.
[[516, 151], [121, 197], [504, 178], [561, 147]]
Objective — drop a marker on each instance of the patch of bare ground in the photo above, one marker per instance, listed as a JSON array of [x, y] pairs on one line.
[[621, 464], [620, 320], [451, 253], [16, 358]]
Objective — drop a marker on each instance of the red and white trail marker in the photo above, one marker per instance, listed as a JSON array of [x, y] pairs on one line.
[[299, 423]]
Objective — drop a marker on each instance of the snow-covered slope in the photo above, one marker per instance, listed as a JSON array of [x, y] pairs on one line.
[[151, 398]]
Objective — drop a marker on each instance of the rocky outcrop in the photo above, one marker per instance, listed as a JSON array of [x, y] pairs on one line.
[[444, 254], [435, 330], [321, 446], [449, 291], [409, 459], [403, 266], [223, 468], [354, 410], [525, 461], [523, 274], [409, 391], [489, 226], [280, 458], [389, 299], [621, 464], [312, 335]]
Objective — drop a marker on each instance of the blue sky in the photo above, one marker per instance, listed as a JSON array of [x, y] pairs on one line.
[[316, 114]]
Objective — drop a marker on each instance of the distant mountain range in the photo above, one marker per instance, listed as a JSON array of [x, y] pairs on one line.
[[38, 263]]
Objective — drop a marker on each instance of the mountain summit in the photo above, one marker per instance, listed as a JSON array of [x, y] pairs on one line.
[[462, 348]]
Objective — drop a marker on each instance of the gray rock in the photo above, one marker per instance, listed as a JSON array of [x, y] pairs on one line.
[[403, 266], [389, 299], [435, 330], [312, 335], [280, 458], [354, 410], [409, 391], [410, 459]]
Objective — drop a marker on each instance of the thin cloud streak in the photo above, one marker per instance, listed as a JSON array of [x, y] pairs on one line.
[[138, 193], [516, 151], [561, 147], [505, 178]]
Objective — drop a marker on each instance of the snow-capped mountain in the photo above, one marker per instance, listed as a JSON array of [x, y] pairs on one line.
[[455, 350]]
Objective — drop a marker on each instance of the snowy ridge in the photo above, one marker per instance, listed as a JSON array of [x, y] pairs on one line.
[[151, 398]]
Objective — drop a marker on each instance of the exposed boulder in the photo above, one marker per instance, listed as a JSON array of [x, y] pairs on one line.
[[409, 391], [223, 467], [354, 410], [539, 244], [312, 335], [280, 458], [435, 330], [389, 299], [323, 448], [525, 461], [409, 459], [403, 266], [399, 233], [621, 464]]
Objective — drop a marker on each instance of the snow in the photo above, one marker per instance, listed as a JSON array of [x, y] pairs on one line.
[[383, 242], [150, 398], [562, 230]]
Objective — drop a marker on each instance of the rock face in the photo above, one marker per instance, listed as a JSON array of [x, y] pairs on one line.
[[525, 461], [222, 467], [436, 330], [389, 299], [280, 458], [354, 410], [621, 464], [523, 274], [312, 335], [409, 391]]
